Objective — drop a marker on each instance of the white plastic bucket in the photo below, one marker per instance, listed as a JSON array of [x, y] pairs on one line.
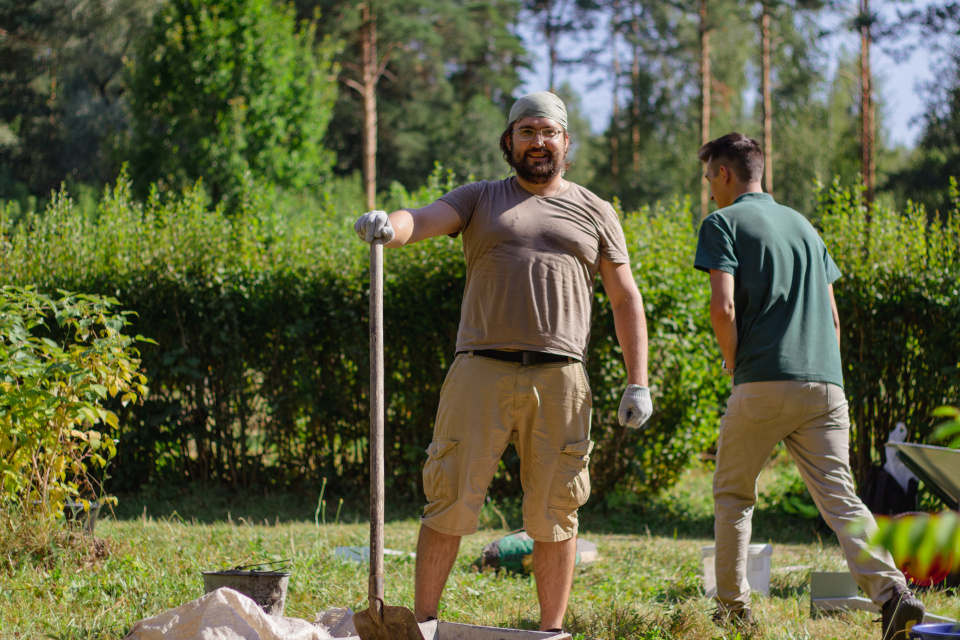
[[758, 569]]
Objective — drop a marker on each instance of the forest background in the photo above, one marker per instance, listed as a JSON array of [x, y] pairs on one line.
[[203, 162], [75, 104]]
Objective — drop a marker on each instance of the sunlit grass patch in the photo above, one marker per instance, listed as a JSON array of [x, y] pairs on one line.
[[647, 583]]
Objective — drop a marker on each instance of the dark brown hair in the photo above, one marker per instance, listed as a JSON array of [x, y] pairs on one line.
[[504, 147], [743, 155]]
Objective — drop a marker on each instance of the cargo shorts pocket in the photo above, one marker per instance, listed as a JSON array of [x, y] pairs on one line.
[[571, 482], [440, 470]]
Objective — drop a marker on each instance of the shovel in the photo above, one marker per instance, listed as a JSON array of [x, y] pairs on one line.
[[378, 621]]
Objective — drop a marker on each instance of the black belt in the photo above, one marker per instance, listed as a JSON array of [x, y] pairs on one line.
[[521, 357]]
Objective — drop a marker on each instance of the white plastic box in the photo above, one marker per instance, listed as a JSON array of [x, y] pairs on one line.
[[758, 569]]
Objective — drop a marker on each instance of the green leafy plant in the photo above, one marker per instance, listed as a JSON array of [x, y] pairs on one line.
[[925, 546], [61, 361], [899, 304], [949, 429]]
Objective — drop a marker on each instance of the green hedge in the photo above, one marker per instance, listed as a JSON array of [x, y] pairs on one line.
[[899, 304], [259, 377], [260, 372]]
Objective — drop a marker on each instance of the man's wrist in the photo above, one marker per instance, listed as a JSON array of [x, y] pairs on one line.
[[727, 370]]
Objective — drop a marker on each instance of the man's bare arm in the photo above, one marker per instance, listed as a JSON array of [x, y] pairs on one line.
[[413, 225], [723, 315], [836, 314], [628, 317]]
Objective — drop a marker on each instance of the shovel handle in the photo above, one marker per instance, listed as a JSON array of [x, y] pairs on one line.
[[376, 424]]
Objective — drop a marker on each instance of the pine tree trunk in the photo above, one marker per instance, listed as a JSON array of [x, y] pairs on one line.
[[614, 121], [868, 160], [635, 77], [705, 80], [370, 75], [767, 101], [551, 36]]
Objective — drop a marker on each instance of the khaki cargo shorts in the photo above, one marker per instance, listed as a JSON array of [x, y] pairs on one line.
[[484, 405]]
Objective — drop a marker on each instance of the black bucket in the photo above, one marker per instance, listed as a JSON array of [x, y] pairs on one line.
[[267, 588], [84, 516]]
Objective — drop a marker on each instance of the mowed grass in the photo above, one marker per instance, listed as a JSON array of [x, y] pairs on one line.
[[148, 558]]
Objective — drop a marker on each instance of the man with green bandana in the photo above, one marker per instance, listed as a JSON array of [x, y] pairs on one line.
[[533, 245]]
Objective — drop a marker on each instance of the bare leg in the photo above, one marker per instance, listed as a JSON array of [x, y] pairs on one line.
[[436, 553], [553, 564]]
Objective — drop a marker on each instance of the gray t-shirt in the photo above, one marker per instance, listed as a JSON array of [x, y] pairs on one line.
[[781, 272], [531, 263]]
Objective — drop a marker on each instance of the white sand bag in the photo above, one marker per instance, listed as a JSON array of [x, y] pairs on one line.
[[224, 614], [337, 622]]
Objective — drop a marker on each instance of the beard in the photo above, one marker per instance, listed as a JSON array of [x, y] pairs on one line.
[[534, 171]]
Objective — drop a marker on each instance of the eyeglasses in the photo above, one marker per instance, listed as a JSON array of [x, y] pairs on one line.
[[526, 134]]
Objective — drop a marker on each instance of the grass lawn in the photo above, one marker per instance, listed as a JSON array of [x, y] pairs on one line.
[[148, 558]]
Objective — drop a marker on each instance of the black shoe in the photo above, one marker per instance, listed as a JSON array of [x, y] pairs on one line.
[[740, 618], [899, 614]]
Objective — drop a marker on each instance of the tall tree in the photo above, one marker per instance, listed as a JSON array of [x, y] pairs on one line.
[[788, 82], [223, 88], [705, 97], [723, 58], [371, 67], [61, 89], [866, 20], [659, 92], [648, 132], [766, 75], [800, 93], [844, 123], [445, 71], [614, 134], [555, 21], [926, 179]]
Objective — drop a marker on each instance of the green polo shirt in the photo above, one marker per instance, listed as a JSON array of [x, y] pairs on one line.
[[781, 272]]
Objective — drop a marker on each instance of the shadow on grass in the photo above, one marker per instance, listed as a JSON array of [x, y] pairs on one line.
[[209, 505], [664, 520], [684, 511]]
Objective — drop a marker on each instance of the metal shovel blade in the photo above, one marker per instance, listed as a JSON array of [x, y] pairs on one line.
[[397, 623]]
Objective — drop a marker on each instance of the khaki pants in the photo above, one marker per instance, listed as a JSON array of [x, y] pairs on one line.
[[811, 419], [484, 405]]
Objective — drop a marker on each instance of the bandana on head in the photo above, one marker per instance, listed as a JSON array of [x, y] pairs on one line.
[[541, 104]]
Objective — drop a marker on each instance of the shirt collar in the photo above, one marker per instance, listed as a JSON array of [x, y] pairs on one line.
[[754, 195]]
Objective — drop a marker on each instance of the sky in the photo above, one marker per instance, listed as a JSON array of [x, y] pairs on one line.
[[901, 103]]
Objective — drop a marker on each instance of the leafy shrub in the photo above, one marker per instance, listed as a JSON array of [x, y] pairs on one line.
[[688, 385], [950, 428], [220, 89], [61, 360], [899, 304]]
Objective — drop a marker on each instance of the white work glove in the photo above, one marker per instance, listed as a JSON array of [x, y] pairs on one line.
[[635, 406], [374, 226]]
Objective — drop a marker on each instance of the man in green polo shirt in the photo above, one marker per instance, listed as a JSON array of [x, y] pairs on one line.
[[774, 314]]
